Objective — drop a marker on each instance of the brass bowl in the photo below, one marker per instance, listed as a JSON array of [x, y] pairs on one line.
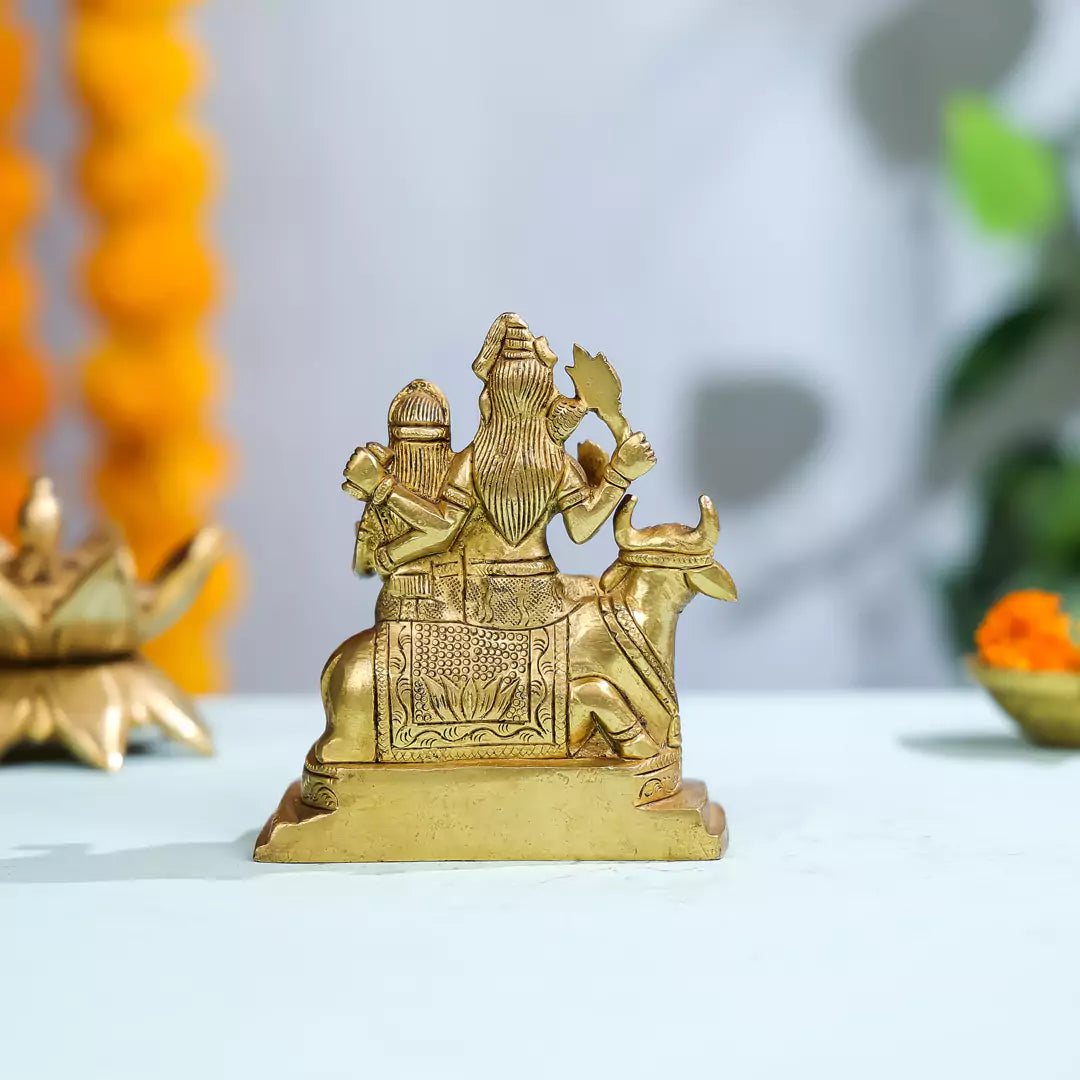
[[1046, 704]]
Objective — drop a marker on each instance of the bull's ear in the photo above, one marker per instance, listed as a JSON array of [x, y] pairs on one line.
[[713, 581], [612, 576]]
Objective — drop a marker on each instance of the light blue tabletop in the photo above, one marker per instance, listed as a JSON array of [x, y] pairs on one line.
[[901, 899]]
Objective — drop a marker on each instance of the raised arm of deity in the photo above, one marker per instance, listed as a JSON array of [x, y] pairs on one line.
[[491, 522]]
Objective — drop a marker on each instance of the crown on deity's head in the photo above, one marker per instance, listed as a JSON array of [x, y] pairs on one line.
[[419, 413], [508, 337]]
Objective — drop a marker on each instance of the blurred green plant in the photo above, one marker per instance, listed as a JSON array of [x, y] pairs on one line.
[[1025, 361]]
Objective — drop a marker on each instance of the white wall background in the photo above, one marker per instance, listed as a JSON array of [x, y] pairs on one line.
[[684, 185]]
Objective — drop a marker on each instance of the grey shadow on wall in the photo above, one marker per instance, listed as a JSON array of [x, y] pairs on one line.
[[750, 435], [905, 69], [900, 76]]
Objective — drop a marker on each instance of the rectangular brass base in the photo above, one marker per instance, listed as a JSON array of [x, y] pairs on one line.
[[498, 811]]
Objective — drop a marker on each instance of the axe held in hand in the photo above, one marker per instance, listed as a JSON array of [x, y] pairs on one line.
[[598, 386]]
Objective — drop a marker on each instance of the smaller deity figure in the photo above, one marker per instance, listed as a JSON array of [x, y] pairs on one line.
[[417, 458]]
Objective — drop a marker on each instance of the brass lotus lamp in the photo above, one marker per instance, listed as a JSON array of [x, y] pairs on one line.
[[70, 629]]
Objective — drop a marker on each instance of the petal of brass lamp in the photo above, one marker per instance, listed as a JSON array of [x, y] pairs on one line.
[[70, 628]]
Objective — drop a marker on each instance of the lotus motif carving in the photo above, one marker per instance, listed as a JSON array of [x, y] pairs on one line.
[[469, 701]]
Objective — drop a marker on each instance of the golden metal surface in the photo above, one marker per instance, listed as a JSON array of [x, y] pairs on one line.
[[1046, 704], [70, 628], [499, 709], [561, 810]]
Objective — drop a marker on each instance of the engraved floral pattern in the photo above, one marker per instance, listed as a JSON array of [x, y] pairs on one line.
[[470, 692], [467, 702]]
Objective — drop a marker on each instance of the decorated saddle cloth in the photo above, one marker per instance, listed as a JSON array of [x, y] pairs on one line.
[[451, 691]]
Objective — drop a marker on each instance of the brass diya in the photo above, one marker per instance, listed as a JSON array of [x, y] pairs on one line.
[[1046, 704], [497, 708], [70, 628]]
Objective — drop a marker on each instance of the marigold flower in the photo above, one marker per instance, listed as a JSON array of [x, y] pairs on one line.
[[24, 394], [20, 191], [150, 388], [15, 473], [146, 173], [1028, 631], [162, 169], [14, 48], [161, 488], [23, 382], [134, 9], [18, 300], [130, 72], [153, 273]]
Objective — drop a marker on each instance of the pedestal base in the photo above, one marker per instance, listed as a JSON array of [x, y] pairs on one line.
[[503, 811]]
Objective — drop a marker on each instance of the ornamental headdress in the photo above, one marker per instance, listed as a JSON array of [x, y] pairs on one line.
[[508, 337]]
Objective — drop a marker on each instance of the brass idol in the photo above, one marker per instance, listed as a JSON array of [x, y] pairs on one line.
[[499, 709], [70, 628]]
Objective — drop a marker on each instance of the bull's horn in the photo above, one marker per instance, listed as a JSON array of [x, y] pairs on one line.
[[707, 531], [624, 529]]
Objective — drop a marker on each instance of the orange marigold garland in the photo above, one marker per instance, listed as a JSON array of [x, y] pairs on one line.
[[147, 173], [23, 382], [1028, 631]]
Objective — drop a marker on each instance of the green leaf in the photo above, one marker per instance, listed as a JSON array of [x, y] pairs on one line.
[[1012, 182], [1001, 349]]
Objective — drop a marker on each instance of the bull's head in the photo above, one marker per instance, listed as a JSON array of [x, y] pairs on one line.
[[671, 547]]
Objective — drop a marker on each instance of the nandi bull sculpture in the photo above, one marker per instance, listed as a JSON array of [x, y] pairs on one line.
[[499, 709]]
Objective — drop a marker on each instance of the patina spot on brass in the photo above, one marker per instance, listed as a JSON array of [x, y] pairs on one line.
[[498, 708], [71, 624]]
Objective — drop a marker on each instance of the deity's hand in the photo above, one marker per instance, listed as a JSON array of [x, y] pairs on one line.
[[364, 471], [384, 565], [634, 456]]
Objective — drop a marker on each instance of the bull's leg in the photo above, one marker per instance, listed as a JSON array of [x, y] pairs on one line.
[[349, 702], [594, 701]]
